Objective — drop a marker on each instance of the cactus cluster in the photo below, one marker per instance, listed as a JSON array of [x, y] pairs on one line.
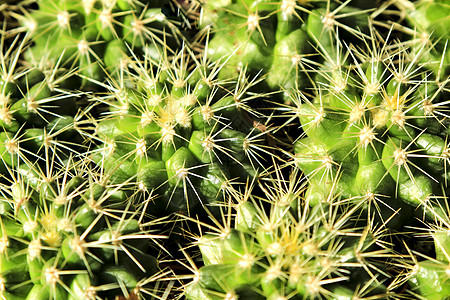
[[289, 149], [292, 250], [90, 36], [382, 131], [66, 235], [175, 130]]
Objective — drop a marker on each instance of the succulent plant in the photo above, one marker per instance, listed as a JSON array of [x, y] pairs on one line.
[[176, 131], [66, 233], [37, 115], [94, 35], [279, 38], [424, 30], [429, 275], [377, 119], [375, 133], [279, 247]]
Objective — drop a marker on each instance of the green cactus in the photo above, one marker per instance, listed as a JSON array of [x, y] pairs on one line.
[[68, 234], [426, 31], [176, 131], [94, 35], [428, 274], [37, 115], [278, 247], [61, 223], [382, 129], [278, 37]]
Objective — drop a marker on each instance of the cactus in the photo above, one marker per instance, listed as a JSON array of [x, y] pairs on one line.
[[374, 133], [382, 127], [69, 234], [176, 131], [62, 224], [280, 247], [428, 273], [94, 35], [278, 37], [37, 116], [425, 30]]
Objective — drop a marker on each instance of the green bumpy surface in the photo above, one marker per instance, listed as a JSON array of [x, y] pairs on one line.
[[379, 133], [68, 234], [38, 114], [429, 22], [279, 248], [278, 38], [92, 35], [179, 134], [172, 132], [430, 277], [376, 134]]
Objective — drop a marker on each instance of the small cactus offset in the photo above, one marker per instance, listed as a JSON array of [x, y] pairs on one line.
[[279, 38], [425, 30], [429, 275], [93, 35], [38, 118]]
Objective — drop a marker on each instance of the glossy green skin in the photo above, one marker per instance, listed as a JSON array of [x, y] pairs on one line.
[[269, 48], [430, 19], [386, 152], [431, 280], [430, 277], [387, 143], [37, 121]]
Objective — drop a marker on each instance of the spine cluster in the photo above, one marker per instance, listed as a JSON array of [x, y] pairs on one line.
[[232, 149]]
